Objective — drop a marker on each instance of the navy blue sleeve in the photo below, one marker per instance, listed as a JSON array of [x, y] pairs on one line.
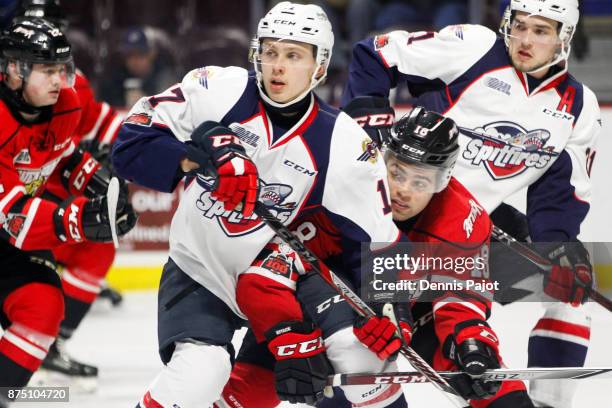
[[368, 73], [554, 213], [149, 156]]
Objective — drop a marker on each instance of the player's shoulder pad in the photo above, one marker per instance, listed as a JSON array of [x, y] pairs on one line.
[[225, 82], [473, 34], [590, 101], [80, 80], [348, 128], [68, 100], [454, 215], [353, 142]]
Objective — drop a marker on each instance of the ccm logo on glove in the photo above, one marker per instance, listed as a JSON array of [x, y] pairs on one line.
[[302, 348]]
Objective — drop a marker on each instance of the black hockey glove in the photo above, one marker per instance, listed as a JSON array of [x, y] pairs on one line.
[[474, 348], [84, 175], [219, 152], [374, 115], [301, 368], [78, 219], [572, 273]]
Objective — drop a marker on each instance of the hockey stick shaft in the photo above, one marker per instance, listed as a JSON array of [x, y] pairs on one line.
[[544, 264], [504, 374], [112, 197], [354, 301]]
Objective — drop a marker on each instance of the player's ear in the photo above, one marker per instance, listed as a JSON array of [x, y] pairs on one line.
[[13, 75], [320, 72]]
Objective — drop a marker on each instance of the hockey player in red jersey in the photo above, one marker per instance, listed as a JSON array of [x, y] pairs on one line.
[[526, 123], [451, 331], [39, 113], [84, 265]]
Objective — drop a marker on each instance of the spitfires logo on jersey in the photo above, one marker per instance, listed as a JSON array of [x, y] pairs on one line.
[[506, 149], [272, 195]]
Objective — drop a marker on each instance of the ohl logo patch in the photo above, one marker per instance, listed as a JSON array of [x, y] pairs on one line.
[[506, 149], [272, 195]]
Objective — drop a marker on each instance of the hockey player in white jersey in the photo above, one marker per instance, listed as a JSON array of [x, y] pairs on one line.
[[525, 122], [244, 126]]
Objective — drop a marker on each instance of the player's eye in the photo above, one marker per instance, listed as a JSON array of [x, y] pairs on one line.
[[419, 185], [397, 176]]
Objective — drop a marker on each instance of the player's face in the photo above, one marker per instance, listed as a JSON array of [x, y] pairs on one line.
[[533, 42], [287, 68], [44, 83], [411, 188]]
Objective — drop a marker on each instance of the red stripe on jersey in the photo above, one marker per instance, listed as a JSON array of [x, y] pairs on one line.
[[384, 60], [19, 356], [564, 327], [9, 199], [262, 112], [109, 128], [302, 128], [149, 402]]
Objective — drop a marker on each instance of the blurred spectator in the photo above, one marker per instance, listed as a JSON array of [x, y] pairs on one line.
[[141, 71], [7, 11], [420, 14]]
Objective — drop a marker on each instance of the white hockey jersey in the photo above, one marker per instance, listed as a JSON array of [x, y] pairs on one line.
[[513, 133], [326, 160]]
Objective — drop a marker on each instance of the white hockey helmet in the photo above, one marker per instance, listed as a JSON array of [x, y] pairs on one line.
[[306, 23], [563, 11]]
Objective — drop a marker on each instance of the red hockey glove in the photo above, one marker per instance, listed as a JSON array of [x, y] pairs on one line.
[[474, 348], [379, 334], [374, 115], [571, 275], [301, 368], [237, 181]]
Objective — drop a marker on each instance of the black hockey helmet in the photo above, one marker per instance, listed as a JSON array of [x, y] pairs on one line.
[[50, 10], [426, 139], [29, 41], [35, 40]]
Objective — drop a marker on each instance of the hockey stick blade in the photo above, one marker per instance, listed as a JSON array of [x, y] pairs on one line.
[[504, 374], [355, 301], [544, 264], [112, 197]]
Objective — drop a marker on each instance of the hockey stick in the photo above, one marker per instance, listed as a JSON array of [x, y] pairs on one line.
[[112, 196], [355, 301], [504, 374], [544, 264]]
